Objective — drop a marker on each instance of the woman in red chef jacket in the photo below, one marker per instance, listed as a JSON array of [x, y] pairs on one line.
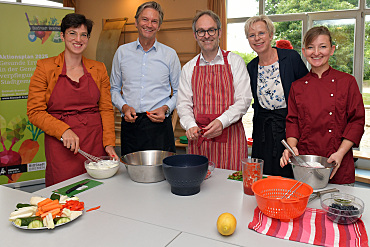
[[326, 114]]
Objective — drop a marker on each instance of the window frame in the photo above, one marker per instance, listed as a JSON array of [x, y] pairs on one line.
[[308, 18]]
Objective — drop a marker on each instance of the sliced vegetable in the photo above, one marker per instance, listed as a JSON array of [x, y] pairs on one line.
[[36, 199], [50, 206], [61, 220], [75, 214], [74, 205], [55, 196], [22, 205], [91, 209], [26, 221], [53, 213], [35, 224], [22, 213], [44, 202], [48, 221]]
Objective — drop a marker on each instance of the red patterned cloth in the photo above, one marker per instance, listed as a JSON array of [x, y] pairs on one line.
[[313, 227]]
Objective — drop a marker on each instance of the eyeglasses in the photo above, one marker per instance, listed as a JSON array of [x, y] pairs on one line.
[[260, 35], [202, 33], [73, 35]]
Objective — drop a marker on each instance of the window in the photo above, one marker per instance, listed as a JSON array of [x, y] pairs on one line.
[[274, 7], [241, 8], [39, 2], [289, 30], [43, 2], [348, 21]]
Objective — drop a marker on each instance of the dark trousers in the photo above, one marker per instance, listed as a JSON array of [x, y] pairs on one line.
[[146, 135]]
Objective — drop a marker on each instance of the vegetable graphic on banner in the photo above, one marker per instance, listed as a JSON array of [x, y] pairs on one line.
[[42, 29], [10, 159], [30, 147], [13, 131]]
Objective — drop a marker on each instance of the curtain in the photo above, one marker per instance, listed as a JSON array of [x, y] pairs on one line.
[[69, 3], [219, 7]]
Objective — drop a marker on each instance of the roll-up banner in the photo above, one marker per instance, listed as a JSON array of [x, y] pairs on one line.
[[29, 33]]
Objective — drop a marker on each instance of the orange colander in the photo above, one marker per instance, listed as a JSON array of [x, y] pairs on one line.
[[269, 191]]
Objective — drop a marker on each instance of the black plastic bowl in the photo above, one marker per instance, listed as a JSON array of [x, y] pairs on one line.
[[185, 173]]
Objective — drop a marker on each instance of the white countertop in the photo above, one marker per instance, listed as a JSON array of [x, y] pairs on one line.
[[139, 214]]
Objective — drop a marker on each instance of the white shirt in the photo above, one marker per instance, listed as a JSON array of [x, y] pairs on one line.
[[241, 83]]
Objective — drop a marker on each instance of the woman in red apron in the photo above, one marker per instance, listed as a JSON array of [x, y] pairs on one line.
[[213, 94], [69, 98]]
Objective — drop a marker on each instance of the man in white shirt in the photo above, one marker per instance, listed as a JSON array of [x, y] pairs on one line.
[[214, 93]]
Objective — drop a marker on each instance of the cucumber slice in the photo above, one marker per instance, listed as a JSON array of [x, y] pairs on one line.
[[61, 220], [55, 196], [26, 221], [22, 205], [35, 224], [18, 222]]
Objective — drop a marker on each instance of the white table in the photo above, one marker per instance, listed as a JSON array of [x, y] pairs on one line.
[[150, 212]]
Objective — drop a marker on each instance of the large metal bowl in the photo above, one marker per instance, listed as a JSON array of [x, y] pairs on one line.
[[317, 178], [146, 166]]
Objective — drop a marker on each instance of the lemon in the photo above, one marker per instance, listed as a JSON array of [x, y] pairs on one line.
[[226, 224]]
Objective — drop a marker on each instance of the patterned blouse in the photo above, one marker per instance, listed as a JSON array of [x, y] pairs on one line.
[[270, 91]]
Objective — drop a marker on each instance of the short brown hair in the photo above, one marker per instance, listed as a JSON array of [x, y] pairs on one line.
[[314, 32], [210, 13], [269, 25], [153, 5]]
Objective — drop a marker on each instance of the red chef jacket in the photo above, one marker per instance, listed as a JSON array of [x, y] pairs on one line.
[[324, 111]]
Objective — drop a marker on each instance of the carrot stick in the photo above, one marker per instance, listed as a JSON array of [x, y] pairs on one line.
[[91, 209], [53, 212], [44, 202], [50, 206]]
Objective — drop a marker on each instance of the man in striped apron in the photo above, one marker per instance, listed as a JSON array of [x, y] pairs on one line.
[[214, 93]]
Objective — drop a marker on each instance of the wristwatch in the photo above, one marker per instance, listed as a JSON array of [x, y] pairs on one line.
[[168, 111]]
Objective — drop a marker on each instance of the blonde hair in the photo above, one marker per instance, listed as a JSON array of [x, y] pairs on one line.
[[254, 19]]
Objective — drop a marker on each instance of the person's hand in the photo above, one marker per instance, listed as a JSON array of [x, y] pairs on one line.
[[213, 129], [71, 140], [111, 152], [337, 159], [193, 133], [158, 115], [286, 155], [130, 113]]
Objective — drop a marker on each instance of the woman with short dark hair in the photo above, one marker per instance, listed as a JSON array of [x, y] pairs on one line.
[[69, 99]]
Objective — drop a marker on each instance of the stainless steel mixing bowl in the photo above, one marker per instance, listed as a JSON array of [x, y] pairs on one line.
[[318, 177], [146, 166]]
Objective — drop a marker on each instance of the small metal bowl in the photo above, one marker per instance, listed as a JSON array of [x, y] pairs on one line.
[[146, 166], [318, 177]]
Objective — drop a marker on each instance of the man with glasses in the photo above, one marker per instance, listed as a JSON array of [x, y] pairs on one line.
[[145, 71], [214, 94]]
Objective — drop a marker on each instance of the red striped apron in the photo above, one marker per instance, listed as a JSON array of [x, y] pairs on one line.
[[213, 94], [75, 103]]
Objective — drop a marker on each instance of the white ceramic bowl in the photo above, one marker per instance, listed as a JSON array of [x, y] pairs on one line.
[[102, 169]]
